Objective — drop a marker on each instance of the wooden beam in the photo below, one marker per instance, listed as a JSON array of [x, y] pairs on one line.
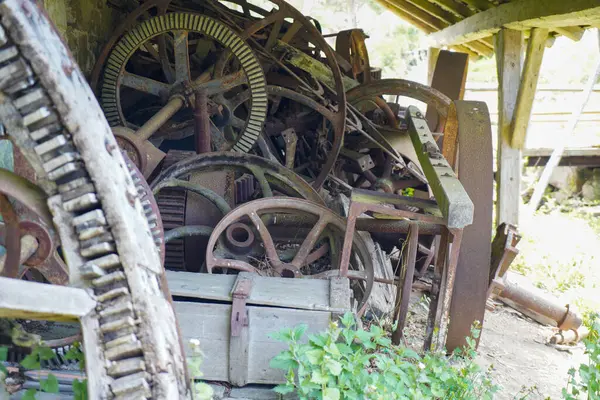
[[520, 15], [32, 300], [458, 9], [509, 44], [452, 199], [575, 33], [528, 86], [426, 16]]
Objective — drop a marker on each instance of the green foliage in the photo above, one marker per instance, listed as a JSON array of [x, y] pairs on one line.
[[200, 390], [584, 383], [3, 357], [41, 353], [345, 363]]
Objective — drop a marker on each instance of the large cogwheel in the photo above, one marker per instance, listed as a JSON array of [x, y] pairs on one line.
[[174, 55], [131, 342]]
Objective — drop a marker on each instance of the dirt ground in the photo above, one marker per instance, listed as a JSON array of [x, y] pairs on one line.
[[515, 347]]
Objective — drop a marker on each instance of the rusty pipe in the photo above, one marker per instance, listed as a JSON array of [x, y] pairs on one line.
[[539, 303], [160, 118], [29, 246], [201, 122]]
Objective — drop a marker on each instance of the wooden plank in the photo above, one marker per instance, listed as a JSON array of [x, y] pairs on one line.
[[527, 87], [519, 15], [267, 320], [209, 323], [32, 300], [508, 58], [306, 294], [575, 33], [202, 286], [572, 152], [452, 199]]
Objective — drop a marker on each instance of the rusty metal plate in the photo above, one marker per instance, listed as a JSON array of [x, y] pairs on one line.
[[475, 163]]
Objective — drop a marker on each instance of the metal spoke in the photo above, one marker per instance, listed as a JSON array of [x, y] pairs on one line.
[[266, 238], [182, 57], [145, 85], [164, 59], [309, 242], [223, 84]]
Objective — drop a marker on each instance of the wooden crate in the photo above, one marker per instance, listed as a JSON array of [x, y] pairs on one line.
[[237, 348]]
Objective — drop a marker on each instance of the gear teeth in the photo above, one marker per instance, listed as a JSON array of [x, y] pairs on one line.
[[65, 170], [121, 307], [113, 294], [52, 144], [126, 367], [43, 113], [14, 72], [117, 325], [134, 386], [59, 161], [3, 38], [31, 101], [92, 232], [73, 184], [106, 262], [94, 216], [81, 203], [63, 164], [97, 249], [8, 54], [129, 349], [109, 279], [91, 271]]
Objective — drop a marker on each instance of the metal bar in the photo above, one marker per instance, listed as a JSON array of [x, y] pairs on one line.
[[160, 118], [202, 123], [404, 289]]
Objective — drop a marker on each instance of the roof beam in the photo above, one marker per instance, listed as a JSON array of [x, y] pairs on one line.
[[434, 22], [520, 15]]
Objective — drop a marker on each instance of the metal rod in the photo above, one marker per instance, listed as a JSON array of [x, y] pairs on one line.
[[188, 230], [202, 122], [29, 246], [538, 303], [404, 289], [160, 118]]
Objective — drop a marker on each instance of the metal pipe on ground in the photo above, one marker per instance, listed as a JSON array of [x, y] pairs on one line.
[[542, 307]]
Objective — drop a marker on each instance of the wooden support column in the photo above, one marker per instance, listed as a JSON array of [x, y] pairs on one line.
[[432, 57], [509, 45], [528, 86]]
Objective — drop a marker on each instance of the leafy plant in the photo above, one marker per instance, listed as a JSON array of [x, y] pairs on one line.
[[33, 361], [79, 387], [584, 383], [200, 390], [345, 363]]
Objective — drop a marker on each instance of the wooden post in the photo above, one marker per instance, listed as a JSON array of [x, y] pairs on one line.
[[528, 86], [509, 45], [432, 57], [542, 183]]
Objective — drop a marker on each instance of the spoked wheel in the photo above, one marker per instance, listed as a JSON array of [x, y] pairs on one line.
[[27, 233], [156, 93], [388, 117], [271, 178], [291, 238], [129, 328]]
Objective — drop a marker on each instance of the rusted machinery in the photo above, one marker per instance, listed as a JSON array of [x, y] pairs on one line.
[[265, 150]]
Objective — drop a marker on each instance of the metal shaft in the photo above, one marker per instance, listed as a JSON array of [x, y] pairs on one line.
[[202, 122], [160, 118]]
